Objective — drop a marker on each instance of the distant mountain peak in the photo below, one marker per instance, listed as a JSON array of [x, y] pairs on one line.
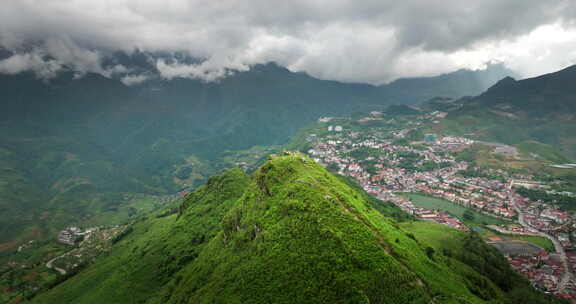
[[506, 81]]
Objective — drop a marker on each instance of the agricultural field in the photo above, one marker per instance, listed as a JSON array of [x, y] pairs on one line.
[[536, 240]]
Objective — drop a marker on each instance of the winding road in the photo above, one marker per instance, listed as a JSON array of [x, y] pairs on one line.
[[60, 270], [568, 275]]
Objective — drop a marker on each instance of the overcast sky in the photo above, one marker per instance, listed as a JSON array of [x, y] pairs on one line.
[[374, 41]]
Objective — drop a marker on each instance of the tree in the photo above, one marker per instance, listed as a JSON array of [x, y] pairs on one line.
[[468, 215], [333, 167], [430, 253]]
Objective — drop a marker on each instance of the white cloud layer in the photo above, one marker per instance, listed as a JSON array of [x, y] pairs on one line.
[[131, 80], [44, 69], [372, 41]]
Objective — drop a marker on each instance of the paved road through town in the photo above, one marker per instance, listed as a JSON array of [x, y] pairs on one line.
[[568, 275]]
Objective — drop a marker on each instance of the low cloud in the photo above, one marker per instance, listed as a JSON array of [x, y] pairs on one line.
[[372, 41], [208, 70], [131, 80], [43, 68]]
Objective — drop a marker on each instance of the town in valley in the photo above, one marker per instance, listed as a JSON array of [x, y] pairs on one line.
[[401, 160]]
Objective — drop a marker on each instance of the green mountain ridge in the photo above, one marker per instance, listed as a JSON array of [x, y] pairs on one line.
[[540, 109], [291, 232]]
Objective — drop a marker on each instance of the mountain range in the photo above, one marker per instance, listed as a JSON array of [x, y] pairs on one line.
[[530, 111], [73, 146]]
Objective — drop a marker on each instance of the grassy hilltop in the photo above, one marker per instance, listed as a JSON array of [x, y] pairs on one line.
[[292, 233]]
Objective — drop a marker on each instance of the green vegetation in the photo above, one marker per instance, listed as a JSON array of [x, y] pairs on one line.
[[468, 250], [562, 180], [17, 281], [155, 249], [565, 202], [70, 152], [481, 156], [537, 115], [291, 233], [401, 110], [537, 240], [386, 208], [473, 172], [541, 151], [467, 215], [540, 241]]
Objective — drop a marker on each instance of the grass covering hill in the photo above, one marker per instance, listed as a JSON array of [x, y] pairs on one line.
[[290, 233], [467, 250], [541, 151], [155, 250]]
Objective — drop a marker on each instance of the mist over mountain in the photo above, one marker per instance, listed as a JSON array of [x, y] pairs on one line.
[[459, 83], [264, 105], [94, 134], [305, 151]]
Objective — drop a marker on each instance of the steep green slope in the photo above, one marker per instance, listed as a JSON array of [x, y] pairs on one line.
[[155, 250], [470, 255], [290, 233], [299, 235], [18, 192]]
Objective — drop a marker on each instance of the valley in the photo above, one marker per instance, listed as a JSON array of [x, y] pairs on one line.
[[432, 178], [76, 149], [239, 220], [287, 152], [460, 182]]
